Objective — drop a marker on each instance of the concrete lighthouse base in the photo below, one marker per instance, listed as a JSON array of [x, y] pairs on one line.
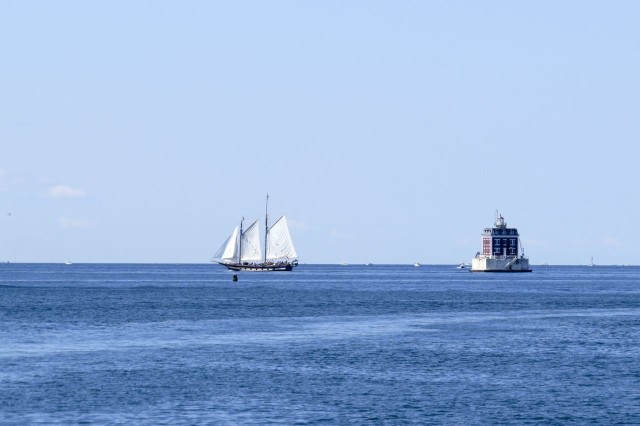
[[500, 264]]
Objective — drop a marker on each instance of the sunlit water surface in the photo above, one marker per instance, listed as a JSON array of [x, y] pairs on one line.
[[184, 344]]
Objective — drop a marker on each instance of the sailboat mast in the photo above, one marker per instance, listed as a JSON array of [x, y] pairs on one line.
[[240, 237], [266, 227]]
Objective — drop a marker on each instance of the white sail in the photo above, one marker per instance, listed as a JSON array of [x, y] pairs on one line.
[[251, 244], [279, 244], [229, 250]]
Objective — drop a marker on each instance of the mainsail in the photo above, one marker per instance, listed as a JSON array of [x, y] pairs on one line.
[[279, 244], [251, 244]]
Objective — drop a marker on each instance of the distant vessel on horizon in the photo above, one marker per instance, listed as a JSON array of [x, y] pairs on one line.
[[591, 262], [500, 247], [241, 251]]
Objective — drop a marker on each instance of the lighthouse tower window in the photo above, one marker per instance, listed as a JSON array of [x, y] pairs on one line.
[[496, 246]]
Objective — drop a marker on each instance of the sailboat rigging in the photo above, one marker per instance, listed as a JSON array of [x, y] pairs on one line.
[[242, 251]]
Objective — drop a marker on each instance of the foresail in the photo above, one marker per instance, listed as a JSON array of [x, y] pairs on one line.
[[229, 249], [251, 244], [279, 244]]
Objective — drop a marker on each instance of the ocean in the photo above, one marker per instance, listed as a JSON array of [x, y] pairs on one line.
[[324, 344]]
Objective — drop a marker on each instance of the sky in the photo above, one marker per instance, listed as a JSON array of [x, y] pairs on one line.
[[387, 131]]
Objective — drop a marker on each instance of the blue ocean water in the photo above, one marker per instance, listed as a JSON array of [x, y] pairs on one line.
[[184, 344]]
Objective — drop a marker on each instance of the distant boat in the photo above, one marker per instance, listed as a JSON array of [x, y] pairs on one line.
[[462, 266], [417, 264], [241, 251], [591, 262], [67, 263]]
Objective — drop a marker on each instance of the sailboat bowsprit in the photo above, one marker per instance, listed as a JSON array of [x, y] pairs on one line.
[[242, 250]]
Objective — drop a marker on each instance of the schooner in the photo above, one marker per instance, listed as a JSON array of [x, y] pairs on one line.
[[242, 250]]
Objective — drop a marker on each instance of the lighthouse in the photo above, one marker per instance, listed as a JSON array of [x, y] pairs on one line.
[[501, 250]]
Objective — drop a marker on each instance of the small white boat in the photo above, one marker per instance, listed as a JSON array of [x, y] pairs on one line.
[[67, 263], [417, 264]]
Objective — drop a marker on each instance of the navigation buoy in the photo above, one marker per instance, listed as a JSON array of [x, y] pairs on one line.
[[235, 277]]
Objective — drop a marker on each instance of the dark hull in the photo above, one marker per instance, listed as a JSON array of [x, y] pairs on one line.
[[261, 267]]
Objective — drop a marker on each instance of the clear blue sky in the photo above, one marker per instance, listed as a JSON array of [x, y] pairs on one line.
[[388, 132]]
